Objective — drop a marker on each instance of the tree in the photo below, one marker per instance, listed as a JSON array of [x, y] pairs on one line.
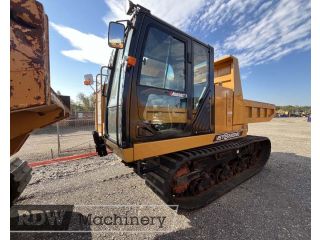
[[294, 109], [75, 107], [83, 103], [87, 102]]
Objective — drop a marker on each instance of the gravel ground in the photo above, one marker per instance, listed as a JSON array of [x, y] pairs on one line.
[[274, 204], [71, 143]]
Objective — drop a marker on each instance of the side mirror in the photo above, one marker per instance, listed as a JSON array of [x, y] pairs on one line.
[[88, 79], [116, 35]]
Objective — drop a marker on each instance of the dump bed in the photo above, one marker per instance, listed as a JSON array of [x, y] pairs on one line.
[[232, 111], [258, 111], [33, 104]]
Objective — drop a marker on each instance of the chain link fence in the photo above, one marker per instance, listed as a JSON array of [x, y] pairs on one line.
[[75, 136], [67, 137]]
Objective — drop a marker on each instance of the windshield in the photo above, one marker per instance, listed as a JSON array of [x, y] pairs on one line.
[[117, 84]]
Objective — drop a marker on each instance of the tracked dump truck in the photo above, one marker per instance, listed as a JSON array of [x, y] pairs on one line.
[[33, 104], [176, 116]]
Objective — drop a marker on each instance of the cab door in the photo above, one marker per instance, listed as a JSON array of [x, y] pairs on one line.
[[163, 84], [114, 109]]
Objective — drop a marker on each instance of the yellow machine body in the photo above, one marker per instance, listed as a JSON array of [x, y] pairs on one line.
[[232, 113], [33, 104], [176, 116]]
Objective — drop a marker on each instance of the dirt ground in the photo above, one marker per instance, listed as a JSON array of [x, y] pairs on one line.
[[43, 145], [274, 204]]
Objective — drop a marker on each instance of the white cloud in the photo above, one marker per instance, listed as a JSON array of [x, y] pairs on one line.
[[92, 48], [283, 29], [117, 11], [88, 47], [263, 7], [256, 31], [177, 13], [221, 12]]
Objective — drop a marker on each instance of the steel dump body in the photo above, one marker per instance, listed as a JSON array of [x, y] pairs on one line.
[[233, 113], [29, 53], [33, 104], [258, 111]]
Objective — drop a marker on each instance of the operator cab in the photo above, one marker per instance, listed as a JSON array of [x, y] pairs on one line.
[[161, 83]]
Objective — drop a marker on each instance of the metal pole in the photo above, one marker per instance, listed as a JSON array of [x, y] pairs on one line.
[[58, 134], [96, 104]]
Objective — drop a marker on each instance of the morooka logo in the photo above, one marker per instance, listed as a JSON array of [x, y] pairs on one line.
[[227, 136]]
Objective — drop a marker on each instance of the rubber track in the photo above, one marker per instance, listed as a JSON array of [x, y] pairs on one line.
[[161, 180]]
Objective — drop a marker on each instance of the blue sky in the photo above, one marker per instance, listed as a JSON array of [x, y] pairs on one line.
[[271, 39]]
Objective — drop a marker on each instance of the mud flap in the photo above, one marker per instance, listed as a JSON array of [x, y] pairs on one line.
[[101, 148]]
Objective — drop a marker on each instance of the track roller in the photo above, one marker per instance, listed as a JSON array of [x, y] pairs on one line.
[[193, 178]]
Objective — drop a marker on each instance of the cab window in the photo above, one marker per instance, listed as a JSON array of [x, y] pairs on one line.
[[163, 62], [200, 72]]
